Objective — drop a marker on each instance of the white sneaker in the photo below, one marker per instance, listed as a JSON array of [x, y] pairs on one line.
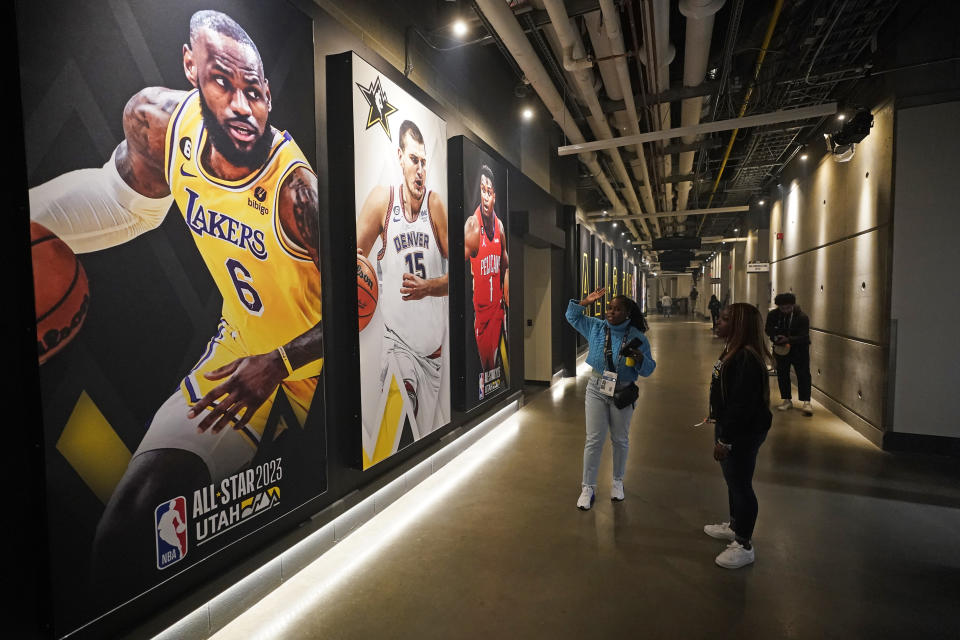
[[720, 531], [585, 501], [786, 404], [616, 491], [735, 556], [807, 409]]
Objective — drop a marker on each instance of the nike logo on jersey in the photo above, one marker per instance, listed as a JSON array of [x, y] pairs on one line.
[[186, 173], [223, 227]]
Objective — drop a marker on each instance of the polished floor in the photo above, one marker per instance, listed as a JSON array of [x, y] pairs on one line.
[[851, 542]]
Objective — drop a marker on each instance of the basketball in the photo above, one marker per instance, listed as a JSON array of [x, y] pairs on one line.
[[367, 291], [61, 290]]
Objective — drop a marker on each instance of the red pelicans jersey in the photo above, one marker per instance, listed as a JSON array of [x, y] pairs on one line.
[[487, 283]]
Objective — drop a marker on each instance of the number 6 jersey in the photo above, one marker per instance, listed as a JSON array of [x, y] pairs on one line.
[[411, 247], [270, 288]]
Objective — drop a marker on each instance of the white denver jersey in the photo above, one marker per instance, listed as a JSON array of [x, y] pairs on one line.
[[411, 247]]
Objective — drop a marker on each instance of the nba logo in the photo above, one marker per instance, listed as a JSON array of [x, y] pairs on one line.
[[481, 385], [170, 525]]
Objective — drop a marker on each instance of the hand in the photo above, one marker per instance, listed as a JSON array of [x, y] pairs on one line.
[[593, 297], [249, 383], [720, 452], [780, 340], [414, 287]]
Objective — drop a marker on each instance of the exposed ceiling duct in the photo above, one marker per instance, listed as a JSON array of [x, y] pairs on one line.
[[570, 41], [696, 55], [503, 21]]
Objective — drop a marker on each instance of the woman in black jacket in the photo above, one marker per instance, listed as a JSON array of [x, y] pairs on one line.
[[740, 410]]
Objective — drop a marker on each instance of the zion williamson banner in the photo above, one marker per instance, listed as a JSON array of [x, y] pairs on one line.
[[171, 152], [486, 282]]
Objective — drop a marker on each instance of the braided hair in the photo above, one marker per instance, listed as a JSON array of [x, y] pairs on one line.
[[634, 314]]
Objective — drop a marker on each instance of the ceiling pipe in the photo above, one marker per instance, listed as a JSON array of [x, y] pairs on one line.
[[768, 36], [611, 20], [505, 24], [657, 60], [700, 17], [570, 40]]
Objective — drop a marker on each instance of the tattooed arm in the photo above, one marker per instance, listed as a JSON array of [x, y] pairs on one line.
[[248, 382], [93, 209]]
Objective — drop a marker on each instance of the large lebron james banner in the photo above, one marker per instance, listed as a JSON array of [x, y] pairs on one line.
[[483, 208], [175, 224], [400, 187]]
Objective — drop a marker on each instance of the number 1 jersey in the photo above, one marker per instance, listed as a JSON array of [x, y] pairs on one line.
[[270, 287]]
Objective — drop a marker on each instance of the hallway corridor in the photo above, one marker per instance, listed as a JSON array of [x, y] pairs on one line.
[[851, 542]]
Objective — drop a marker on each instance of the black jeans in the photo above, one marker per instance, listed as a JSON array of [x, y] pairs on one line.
[[738, 472], [799, 357]]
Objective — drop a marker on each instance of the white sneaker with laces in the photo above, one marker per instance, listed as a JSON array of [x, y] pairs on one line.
[[721, 531], [786, 404], [616, 491], [735, 556], [585, 501], [807, 408]]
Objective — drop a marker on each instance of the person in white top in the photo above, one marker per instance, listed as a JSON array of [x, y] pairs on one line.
[[667, 303], [411, 222]]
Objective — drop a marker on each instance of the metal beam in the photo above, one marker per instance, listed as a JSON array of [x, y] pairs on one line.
[[663, 214], [702, 145], [785, 115], [674, 94]]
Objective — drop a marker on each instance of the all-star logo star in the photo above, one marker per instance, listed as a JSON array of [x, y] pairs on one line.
[[380, 107]]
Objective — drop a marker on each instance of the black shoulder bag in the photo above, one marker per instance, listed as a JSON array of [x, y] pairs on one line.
[[626, 395]]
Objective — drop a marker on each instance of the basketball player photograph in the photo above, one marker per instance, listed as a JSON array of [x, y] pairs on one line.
[[485, 249], [210, 155], [410, 221]]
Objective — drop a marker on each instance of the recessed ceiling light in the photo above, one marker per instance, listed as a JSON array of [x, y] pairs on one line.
[[459, 28], [736, 230], [803, 156], [528, 113], [841, 117], [762, 202]]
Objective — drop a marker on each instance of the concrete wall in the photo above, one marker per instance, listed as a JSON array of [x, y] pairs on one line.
[[538, 308], [924, 300], [834, 255]]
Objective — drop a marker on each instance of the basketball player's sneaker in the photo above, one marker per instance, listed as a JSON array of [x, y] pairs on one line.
[[585, 501]]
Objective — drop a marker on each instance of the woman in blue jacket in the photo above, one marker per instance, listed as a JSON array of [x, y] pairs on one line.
[[619, 353]]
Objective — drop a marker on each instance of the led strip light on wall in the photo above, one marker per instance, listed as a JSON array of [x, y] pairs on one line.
[[272, 616]]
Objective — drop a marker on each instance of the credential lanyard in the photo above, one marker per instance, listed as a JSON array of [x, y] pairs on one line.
[[608, 382]]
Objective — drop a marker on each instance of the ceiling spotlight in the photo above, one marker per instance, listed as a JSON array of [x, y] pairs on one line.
[[614, 225], [736, 229], [762, 202], [459, 28], [604, 212], [623, 233], [528, 113], [841, 117]]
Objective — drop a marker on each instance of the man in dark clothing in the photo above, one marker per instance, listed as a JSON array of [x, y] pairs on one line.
[[789, 328]]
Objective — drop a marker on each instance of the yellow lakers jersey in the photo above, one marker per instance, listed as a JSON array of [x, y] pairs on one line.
[[270, 288]]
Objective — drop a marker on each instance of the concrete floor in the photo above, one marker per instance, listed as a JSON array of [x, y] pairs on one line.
[[851, 542]]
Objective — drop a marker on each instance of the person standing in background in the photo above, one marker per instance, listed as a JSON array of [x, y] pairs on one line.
[[714, 306], [789, 329], [694, 294], [667, 303]]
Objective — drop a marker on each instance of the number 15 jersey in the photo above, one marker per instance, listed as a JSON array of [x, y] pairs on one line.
[[411, 247], [270, 288]]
